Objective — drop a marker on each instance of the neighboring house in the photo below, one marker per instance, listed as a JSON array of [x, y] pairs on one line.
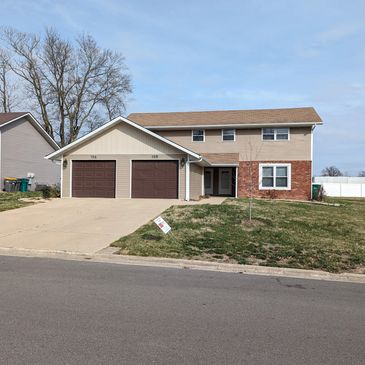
[[182, 155], [23, 146]]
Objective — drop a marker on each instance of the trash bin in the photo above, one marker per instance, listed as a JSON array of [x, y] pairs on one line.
[[315, 190], [24, 185], [10, 184]]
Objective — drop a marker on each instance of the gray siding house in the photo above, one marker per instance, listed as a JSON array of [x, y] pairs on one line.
[[23, 146]]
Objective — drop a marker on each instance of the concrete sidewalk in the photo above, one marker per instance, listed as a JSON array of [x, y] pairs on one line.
[[76, 225]]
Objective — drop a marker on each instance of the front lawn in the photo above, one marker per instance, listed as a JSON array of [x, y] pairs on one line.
[[282, 234], [11, 200]]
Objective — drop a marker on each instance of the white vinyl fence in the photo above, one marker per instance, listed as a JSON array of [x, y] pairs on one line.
[[342, 186]]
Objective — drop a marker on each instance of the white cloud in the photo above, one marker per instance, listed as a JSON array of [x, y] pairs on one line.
[[339, 32]]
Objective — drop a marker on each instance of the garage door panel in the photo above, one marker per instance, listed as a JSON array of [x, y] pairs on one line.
[[94, 179], [155, 179]]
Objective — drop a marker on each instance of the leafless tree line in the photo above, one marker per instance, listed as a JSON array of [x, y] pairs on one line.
[[334, 171], [74, 85]]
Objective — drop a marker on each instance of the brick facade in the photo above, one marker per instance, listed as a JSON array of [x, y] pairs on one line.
[[301, 181]]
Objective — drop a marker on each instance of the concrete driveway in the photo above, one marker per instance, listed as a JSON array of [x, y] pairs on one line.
[[77, 225]]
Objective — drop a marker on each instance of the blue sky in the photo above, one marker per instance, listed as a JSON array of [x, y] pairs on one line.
[[247, 54]]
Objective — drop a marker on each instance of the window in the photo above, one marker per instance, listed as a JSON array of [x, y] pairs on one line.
[[228, 134], [275, 176], [275, 134], [198, 135]]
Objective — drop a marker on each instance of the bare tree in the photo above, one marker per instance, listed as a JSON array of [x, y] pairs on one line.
[[76, 85], [331, 171], [251, 182], [7, 89], [362, 173]]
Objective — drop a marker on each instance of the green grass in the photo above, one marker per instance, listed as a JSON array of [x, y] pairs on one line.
[[282, 234], [11, 200]]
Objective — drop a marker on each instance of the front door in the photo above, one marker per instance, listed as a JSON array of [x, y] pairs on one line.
[[208, 181], [225, 181]]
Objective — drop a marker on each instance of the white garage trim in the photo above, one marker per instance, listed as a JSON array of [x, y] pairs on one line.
[[142, 159], [70, 178]]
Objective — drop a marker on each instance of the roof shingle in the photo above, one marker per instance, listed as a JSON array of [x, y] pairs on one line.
[[221, 158], [7, 117], [228, 117]]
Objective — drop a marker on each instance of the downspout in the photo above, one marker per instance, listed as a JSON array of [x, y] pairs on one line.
[[1, 176], [187, 179], [313, 127]]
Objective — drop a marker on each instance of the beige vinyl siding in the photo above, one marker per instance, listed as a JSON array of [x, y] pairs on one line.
[[123, 171], [123, 143], [248, 144], [123, 139], [22, 150], [196, 180]]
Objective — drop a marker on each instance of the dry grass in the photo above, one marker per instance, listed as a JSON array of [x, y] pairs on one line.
[[16, 200], [283, 234]]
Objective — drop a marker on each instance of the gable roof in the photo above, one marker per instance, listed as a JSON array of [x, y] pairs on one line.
[[112, 123], [243, 118], [7, 118]]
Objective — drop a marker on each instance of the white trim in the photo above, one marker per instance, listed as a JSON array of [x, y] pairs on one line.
[[236, 184], [230, 140], [192, 135], [61, 192], [312, 129], [88, 160], [238, 126], [155, 160], [187, 179], [312, 143], [37, 126], [116, 179], [70, 178], [275, 133], [211, 180], [287, 165], [203, 187], [111, 124], [130, 178], [1, 176]]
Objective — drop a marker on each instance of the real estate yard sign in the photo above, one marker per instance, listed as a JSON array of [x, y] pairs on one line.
[[165, 228]]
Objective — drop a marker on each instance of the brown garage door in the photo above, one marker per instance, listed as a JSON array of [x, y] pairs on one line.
[[154, 179], [93, 179]]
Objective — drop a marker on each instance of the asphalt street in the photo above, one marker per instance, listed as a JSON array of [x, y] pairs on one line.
[[68, 312]]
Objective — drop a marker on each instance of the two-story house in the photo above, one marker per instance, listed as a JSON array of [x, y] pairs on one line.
[[184, 155]]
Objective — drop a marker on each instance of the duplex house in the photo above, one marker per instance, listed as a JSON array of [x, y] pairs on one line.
[[184, 155], [23, 145]]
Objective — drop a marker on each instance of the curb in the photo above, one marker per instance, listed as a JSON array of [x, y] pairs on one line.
[[185, 264]]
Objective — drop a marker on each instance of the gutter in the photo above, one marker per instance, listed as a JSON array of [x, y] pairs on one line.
[[240, 126]]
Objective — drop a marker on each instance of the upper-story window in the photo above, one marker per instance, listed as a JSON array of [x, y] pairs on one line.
[[228, 134], [198, 135], [275, 134]]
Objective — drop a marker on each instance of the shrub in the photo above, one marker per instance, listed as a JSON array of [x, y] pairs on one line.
[[51, 192]]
